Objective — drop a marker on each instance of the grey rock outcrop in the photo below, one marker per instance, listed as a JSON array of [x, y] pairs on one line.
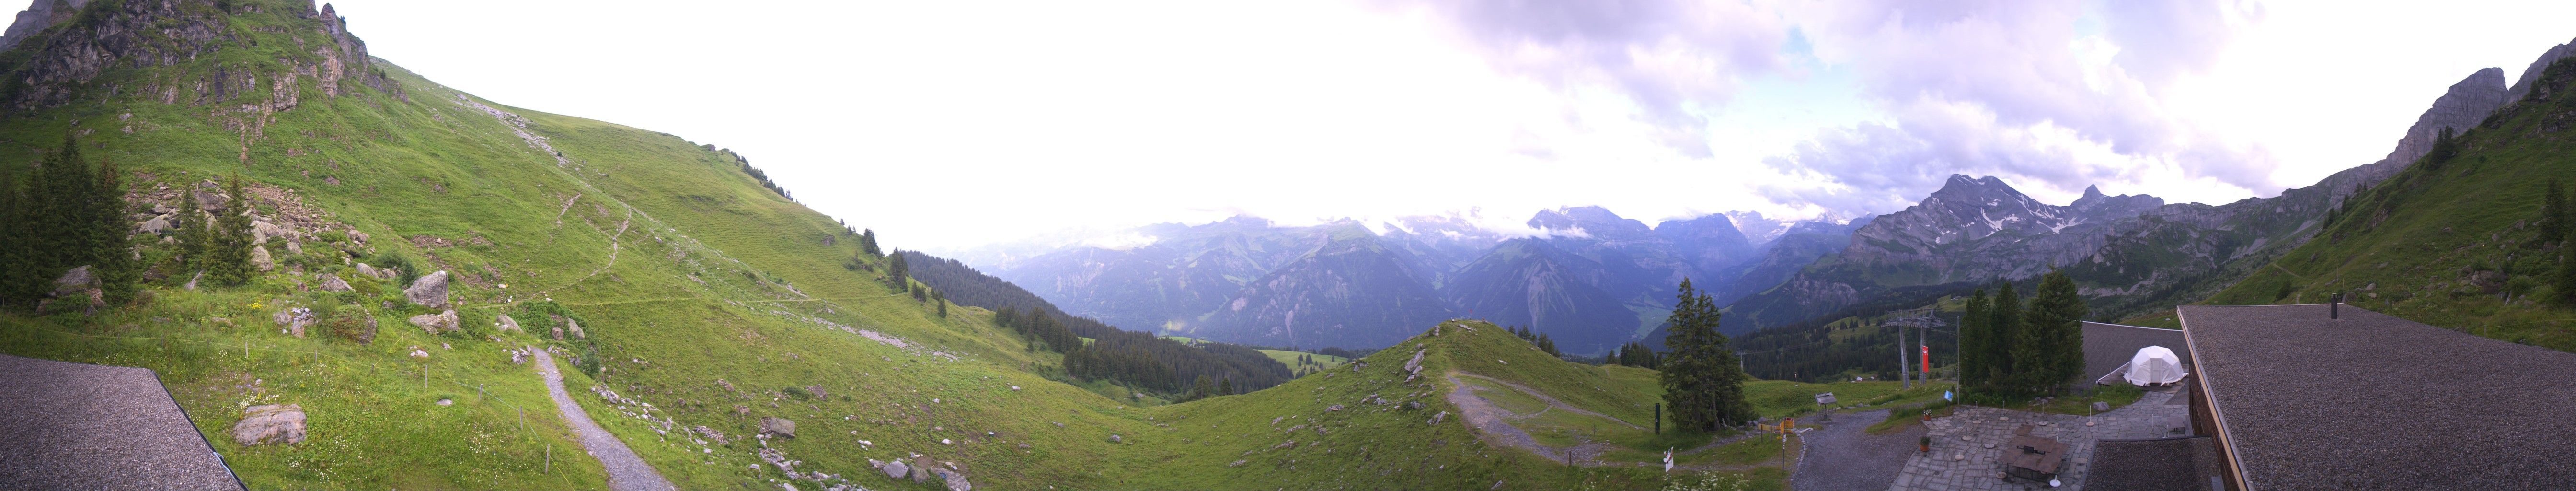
[[212, 202], [333, 283], [271, 423], [441, 322], [259, 258], [294, 248], [574, 326], [294, 320], [261, 231], [895, 469], [778, 427], [2522, 85], [2463, 106], [430, 290], [156, 225], [74, 281], [956, 481], [77, 289], [508, 324], [38, 16]]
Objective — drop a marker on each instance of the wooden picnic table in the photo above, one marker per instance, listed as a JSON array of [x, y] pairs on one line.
[[2033, 458]]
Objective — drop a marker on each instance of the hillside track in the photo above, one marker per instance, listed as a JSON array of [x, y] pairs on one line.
[[626, 471]]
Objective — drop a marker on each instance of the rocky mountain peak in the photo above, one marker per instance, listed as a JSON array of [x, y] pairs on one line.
[[1595, 221], [38, 16], [2522, 86]]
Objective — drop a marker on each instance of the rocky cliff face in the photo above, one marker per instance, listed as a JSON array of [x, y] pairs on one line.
[[61, 59], [2462, 107], [2522, 86], [42, 14]]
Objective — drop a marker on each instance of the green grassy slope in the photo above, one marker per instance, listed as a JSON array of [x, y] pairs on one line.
[[701, 293], [2455, 244]]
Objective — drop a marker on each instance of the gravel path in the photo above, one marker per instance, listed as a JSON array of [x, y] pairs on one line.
[[626, 472], [82, 426], [1843, 456]]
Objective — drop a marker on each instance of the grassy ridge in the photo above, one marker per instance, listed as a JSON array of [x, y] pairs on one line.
[[703, 294], [2453, 244]]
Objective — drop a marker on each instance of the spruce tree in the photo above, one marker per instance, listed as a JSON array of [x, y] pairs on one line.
[[942, 299], [228, 254], [2004, 326], [21, 281], [118, 271], [868, 243], [2054, 332], [1973, 364], [2553, 213], [2565, 286], [1702, 384], [193, 232], [897, 273]]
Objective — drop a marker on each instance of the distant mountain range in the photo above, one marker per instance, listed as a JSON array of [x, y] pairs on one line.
[[1592, 279]]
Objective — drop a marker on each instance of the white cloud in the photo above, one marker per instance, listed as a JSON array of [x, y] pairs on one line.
[[946, 125]]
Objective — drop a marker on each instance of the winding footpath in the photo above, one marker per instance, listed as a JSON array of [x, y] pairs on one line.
[[626, 471]]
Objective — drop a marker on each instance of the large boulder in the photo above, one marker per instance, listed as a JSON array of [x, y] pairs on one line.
[[779, 427], [575, 327], [269, 424], [333, 283], [436, 323], [212, 202], [74, 281], [509, 324], [294, 248], [430, 290], [369, 271], [895, 469], [956, 480], [259, 257], [261, 231], [77, 289], [156, 225]]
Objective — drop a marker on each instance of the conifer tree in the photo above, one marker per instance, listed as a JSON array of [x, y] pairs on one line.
[[228, 254], [194, 232], [897, 273], [868, 243], [943, 302], [118, 271], [2003, 328], [1702, 384], [2053, 334], [21, 281], [1974, 366], [2553, 213]]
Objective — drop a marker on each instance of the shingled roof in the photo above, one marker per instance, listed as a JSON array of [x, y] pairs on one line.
[[2371, 401], [2107, 346]]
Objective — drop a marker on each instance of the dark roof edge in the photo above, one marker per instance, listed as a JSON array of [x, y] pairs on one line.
[[2235, 466], [2136, 327]]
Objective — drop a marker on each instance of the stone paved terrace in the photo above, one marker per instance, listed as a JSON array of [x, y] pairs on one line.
[[82, 426], [1967, 444]]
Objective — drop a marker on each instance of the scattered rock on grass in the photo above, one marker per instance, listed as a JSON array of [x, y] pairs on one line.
[[776, 426], [441, 322], [430, 290], [270, 423]]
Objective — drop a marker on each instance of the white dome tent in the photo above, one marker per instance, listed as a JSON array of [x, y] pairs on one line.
[[2154, 365]]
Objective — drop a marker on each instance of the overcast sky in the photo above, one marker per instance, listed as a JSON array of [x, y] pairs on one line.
[[951, 124]]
